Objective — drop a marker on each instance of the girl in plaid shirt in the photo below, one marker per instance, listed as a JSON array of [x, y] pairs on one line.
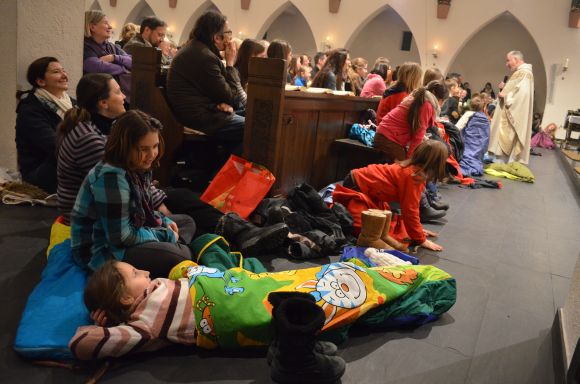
[[113, 216]]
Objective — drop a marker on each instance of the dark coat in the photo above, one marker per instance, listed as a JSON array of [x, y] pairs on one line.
[[197, 81], [35, 134]]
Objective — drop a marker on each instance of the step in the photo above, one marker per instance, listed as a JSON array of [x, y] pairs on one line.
[[574, 155]]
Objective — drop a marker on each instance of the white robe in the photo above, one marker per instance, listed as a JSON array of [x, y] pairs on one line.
[[511, 127]]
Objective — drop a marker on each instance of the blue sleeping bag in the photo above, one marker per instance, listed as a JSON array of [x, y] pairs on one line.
[[55, 308], [475, 140]]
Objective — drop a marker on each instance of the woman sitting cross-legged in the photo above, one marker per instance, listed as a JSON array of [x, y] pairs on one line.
[[113, 216]]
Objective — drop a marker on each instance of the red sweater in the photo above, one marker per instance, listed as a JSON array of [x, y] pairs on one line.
[[396, 128], [387, 104], [391, 182]]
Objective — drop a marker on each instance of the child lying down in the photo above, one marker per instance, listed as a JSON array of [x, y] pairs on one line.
[[210, 308]]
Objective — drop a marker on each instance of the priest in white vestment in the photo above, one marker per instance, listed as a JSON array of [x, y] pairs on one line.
[[511, 127]]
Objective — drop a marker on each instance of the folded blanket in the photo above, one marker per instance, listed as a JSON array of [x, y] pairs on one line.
[[513, 171]]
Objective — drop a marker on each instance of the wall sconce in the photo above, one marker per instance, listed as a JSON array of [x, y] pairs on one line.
[[169, 33], [241, 35], [565, 67], [435, 52], [325, 45]]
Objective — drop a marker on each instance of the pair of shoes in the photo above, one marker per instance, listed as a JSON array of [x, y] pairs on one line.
[[296, 356], [427, 212], [252, 241]]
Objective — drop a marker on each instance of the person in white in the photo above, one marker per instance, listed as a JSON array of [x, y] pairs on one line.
[[511, 126]]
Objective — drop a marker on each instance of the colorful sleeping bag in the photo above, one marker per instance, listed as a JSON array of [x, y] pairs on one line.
[[232, 309]]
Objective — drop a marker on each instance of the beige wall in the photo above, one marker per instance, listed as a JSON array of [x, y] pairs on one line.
[[34, 29], [8, 10], [382, 36], [479, 62]]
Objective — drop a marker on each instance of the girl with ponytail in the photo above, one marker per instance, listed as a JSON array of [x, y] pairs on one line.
[[403, 129], [82, 134]]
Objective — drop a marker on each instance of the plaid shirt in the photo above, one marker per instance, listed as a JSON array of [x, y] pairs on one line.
[[101, 226]]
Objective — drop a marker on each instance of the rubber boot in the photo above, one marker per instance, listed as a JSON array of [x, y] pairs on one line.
[[296, 323], [275, 298], [385, 234], [373, 223], [426, 213], [252, 241]]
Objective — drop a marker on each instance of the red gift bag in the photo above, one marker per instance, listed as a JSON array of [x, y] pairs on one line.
[[238, 187]]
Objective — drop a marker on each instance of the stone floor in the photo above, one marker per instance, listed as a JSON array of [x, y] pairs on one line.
[[512, 252]]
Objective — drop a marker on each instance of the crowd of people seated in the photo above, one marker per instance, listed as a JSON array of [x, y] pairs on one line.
[[98, 156]]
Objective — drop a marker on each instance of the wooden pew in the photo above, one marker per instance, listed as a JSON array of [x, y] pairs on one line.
[[294, 133], [148, 94]]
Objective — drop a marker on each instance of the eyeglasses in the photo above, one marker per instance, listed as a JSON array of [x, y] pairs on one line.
[[229, 33]]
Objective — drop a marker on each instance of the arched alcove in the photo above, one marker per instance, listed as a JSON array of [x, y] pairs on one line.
[[381, 34], [206, 6], [288, 23], [482, 56], [139, 12], [95, 6]]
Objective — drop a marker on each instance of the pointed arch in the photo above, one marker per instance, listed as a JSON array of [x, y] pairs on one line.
[[481, 56], [381, 34], [283, 24], [141, 10], [205, 6], [95, 6]]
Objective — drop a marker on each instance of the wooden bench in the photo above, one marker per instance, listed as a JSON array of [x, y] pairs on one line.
[[183, 145], [293, 133]]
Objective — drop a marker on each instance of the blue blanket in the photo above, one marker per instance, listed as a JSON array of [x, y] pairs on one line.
[[55, 308], [475, 139]]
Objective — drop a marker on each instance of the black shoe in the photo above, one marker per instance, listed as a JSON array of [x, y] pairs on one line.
[[252, 241], [323, 347], [439, 205], [426, 212]]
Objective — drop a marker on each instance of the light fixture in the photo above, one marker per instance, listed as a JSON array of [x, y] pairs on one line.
[[565, 67], [435, 51]]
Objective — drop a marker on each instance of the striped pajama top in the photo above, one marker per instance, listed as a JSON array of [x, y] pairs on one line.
[[161, 316]]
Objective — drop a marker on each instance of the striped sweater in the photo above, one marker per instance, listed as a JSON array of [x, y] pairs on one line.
[[78, 153], [161, 316]]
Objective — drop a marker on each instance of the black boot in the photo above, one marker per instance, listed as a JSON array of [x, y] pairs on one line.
[[426, 212], [323, 347], [296, 321], [252, 241], [436, 203]]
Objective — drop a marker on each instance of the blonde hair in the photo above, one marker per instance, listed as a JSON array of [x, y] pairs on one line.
[[129, 31], [92, 17], [410, 75]]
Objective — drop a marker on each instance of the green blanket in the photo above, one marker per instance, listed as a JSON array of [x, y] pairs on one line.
[[513, 171]]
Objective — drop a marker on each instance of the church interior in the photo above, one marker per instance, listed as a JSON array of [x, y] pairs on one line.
[[513, 251]]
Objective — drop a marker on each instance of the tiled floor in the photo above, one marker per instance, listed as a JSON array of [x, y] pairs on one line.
[[512, 252]]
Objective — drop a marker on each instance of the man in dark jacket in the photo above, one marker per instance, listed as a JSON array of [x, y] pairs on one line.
[[202, 92], [151, 34]]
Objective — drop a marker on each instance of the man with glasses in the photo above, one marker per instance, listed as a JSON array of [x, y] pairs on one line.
[[202, 91]]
